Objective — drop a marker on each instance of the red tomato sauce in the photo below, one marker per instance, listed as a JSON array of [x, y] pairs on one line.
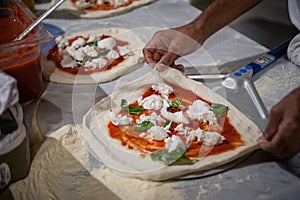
[[20, 62], [12, 26], [105, 6], [55, 56], [130, 138]]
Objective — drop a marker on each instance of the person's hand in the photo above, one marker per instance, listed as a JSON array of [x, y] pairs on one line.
[[282, 135], [167, 45]]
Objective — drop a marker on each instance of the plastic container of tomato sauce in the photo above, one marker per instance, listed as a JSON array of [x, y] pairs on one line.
[[21, 59]]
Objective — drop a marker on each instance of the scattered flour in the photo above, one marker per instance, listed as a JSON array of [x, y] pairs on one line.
[[220, 176], [58, 172], [263, 196], [277, 84], [218, 186], [248, 178], [239, 180], [202, 191]]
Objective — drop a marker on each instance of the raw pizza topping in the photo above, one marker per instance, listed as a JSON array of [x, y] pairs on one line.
[[99, 8], [89, 54], [172, 123], [101, 4]]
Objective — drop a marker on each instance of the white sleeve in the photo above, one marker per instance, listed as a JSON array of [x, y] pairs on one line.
[[293, 51], [294, 11]]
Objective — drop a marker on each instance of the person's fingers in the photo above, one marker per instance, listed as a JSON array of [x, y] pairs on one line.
[[275, 146], [287, 152], [282, 152], [274, 119], [179, 67], [168, 58], [161, 67], [284, 143], [283, 131], [148, 54], [156, 56]]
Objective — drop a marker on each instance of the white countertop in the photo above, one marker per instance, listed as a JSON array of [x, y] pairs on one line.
[[260, 176]]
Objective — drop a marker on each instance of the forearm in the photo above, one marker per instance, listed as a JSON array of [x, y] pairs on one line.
[[219, 14]]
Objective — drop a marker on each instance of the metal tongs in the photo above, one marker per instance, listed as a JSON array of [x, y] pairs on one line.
[[243, 76]]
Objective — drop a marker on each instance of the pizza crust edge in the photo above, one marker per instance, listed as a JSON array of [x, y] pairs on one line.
[[94, 131], [68, 7], [51, 73]]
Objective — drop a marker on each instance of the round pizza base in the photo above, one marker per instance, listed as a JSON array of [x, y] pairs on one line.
[[131, 62], [129, 163], [68, 7]]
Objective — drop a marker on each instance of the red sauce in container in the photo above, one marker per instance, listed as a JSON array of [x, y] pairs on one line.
[[20, 59], [6, 23], [27, 72]]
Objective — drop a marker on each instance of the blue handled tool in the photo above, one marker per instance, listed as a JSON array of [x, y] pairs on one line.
[[242, 76], [235, 79]]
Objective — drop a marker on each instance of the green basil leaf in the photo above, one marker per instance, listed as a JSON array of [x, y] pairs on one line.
[[134, 110], [184, 160], [168, 157], [176, 103], [219, 109], [175, 157], [167, 123], [81, 62], [104, 53], [93, 43], [144, 126]]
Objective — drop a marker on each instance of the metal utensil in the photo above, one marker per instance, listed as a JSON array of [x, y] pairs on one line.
[[242, 77], [39, 20]]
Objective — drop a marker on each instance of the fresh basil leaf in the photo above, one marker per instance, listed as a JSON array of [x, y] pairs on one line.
[[93, 43], [176, 103], [219, 109], [184, 160], [168, 157], [134, 110], [81, 62], [144, 126], [167, 123], [104, 53], [175, 157]]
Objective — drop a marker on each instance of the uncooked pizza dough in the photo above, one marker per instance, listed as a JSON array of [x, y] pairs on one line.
[[131, 61], [62, 169], [67, 6], [129, 162]]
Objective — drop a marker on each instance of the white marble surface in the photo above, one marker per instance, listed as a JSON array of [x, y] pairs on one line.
[[261, 176]]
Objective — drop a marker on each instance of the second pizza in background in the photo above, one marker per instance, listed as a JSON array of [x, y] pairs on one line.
[[100, 8], [87, 57]]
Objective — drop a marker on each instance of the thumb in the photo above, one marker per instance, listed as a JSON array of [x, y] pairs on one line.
[[274, 120], [168, 59]]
